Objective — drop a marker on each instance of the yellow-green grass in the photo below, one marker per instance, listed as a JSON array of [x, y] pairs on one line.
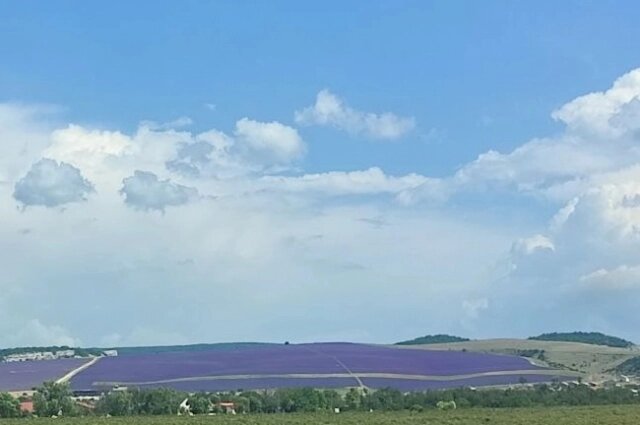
[[591, 360]]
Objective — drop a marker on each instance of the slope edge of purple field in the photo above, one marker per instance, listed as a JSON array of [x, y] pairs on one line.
[[176, 369], [24, 376]]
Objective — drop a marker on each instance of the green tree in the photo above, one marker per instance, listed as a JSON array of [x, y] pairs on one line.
[[353, 399], [200, 403], [9, 406], [116, 403], [53, 399], [159, 401]]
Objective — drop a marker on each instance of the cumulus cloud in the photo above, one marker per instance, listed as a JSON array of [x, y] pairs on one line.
[[330, 110], [49, 183], [270, 141], [253, 147], [145, 191], [76, 143], [548, 228], [620, 278], [600, 137], [191, 158], [610, 113], [532, 244]]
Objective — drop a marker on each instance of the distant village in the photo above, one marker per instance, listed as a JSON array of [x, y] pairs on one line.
[[53, 355]]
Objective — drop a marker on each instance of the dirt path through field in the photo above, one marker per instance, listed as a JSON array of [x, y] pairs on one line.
[[342, 365], [74, 372]]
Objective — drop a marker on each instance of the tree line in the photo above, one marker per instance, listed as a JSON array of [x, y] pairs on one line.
[[53, 399], [594, 338], [433, 339]]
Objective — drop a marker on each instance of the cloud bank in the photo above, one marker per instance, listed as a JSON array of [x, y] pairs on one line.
[[547, 232]]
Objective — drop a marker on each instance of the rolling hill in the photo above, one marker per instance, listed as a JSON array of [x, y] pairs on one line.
[[429, 362], [594, 338], [433, 339]]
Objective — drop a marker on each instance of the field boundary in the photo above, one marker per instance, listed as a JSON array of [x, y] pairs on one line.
[[440, 378]]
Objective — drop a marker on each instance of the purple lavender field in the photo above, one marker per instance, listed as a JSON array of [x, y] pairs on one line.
[[21, 376], [327, 365], [424, 385], [256, 384]]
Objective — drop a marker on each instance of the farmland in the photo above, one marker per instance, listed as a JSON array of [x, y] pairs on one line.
[[592, 360], [602, 415], [26, 375], [322, 365]]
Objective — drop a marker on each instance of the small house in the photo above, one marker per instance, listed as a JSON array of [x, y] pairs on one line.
[[227, 407], [27, 407]]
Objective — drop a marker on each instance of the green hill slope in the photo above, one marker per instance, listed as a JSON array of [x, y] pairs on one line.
[[595, 338], [629, 367], [433, 339]]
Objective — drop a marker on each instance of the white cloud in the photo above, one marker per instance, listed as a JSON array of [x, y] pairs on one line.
[[549, 228], [145, 191], [600, 137], [254, 147], [260, 240], [620, 278], [370, 181], [75, 143], [191, 158], [610, 113], [330, 110], [532, 244], [50, 184], [270, 141]]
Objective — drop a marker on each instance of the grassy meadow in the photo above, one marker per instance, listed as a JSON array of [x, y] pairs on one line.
[[596, 415]]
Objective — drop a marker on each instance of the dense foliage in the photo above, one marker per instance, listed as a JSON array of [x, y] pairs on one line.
[[629, 367], [55, 400], [9, 406], [164, 401], [595, 338], [433, 339]]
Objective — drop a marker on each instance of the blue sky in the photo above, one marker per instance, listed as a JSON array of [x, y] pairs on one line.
[[303, 151], [476, 76]]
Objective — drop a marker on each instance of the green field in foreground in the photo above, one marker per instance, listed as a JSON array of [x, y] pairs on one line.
[[596, 415]]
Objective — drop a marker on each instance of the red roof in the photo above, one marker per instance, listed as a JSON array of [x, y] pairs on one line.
[[226, 404], [26, 406]]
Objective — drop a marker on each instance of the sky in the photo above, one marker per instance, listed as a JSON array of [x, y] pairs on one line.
[[365, 171]]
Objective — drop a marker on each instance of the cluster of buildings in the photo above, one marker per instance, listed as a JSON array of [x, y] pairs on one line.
[[51, 355], [40, 355]]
